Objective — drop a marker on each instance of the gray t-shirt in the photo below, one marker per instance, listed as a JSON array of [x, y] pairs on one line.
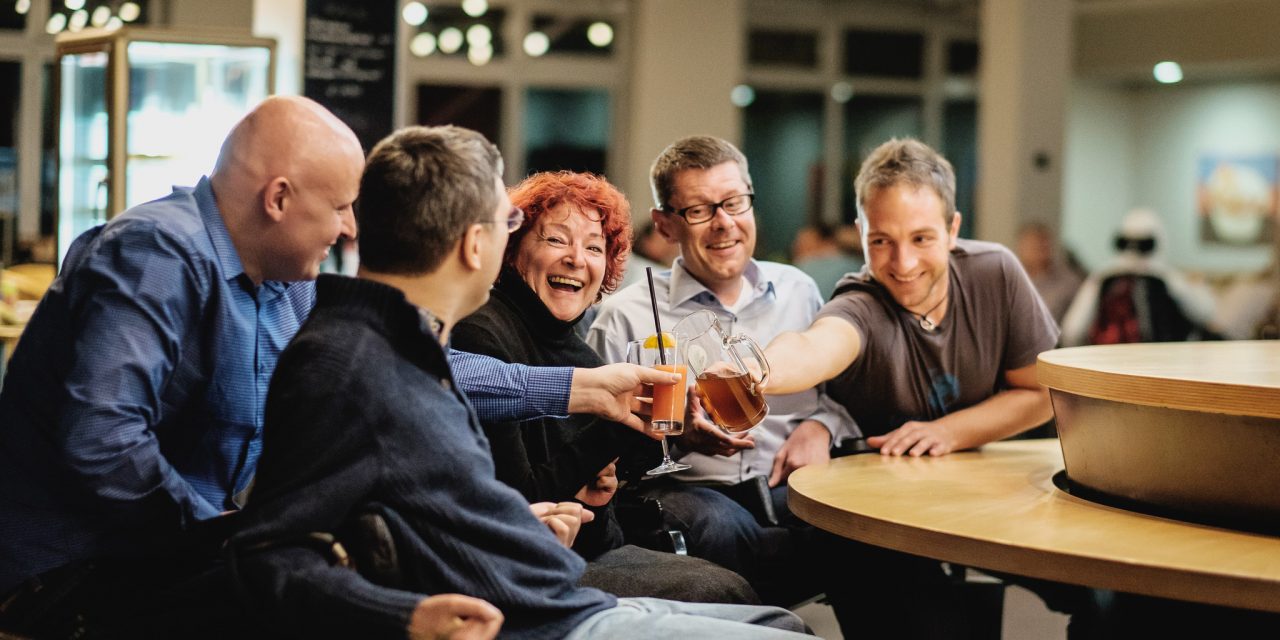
[[995, 322]]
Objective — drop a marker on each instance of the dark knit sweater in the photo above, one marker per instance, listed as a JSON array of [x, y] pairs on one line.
[[362, 409], [550, 459]]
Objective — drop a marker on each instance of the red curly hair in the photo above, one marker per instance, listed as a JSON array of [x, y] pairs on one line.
[[542, 192]]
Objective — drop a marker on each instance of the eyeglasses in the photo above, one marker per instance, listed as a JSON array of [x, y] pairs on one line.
[[515, 218], [700, 213]]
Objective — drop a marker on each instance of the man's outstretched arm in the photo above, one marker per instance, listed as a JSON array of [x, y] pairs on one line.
[[502, 391], [803, 360]]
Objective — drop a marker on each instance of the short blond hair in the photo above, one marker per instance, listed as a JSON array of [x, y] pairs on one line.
[[693, 152], [908, 161]]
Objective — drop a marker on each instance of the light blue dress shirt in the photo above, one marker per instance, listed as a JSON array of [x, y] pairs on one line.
[[779, 298]]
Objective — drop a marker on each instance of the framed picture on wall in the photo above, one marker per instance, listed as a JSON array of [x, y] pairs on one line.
[[1237, 198]]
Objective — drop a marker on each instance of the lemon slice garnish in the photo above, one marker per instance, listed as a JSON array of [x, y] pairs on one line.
[[668, 341]]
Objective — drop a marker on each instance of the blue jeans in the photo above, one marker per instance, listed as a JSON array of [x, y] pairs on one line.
[[720, 530], [642, 618]]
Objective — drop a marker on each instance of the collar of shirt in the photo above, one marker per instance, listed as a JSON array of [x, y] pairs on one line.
[[685, 287], [430, 323], [228, 256]]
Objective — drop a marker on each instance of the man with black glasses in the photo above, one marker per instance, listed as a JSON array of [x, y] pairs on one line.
[[703, 199]]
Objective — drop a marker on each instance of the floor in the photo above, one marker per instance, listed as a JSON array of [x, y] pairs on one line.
[[1025, 618]]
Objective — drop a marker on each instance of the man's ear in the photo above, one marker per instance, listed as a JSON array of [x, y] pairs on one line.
[[955, 229], [660, 222], [471, 247], [276, 196]]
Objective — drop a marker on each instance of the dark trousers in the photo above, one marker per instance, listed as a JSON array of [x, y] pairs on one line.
[[634, 572], [166, 598], [881, 593], [1119, 616]]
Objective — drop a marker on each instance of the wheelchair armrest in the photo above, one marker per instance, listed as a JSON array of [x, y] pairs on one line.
[[644, 525]]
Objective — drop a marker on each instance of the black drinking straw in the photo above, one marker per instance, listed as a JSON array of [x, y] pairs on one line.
[[653, 299]]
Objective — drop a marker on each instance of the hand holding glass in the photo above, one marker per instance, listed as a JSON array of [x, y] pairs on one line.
[[668, 399]]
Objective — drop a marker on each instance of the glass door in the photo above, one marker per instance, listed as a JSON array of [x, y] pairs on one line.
[[183, 100], [83, 178]]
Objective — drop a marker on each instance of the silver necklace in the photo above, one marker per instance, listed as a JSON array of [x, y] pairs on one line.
[[925, 322]]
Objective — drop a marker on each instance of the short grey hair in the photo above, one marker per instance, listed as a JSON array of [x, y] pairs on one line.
[[422, 188], [693, 152], [908, 161]]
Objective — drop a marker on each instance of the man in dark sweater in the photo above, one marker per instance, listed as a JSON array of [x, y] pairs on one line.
[[363, 414]]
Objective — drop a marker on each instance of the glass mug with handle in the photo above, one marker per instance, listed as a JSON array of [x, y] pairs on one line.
[[668, 399], [729, 370]]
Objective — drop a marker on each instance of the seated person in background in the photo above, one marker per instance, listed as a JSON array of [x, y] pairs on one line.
[[569, 251], [932, 349], [1054, 278], [1137, 296], [650, 249], [1249, 307], [703, 200], [817, 251], [363, 414]]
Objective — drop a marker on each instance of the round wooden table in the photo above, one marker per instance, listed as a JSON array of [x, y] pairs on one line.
[[998, 509], [1231, 378], [1190, 429]]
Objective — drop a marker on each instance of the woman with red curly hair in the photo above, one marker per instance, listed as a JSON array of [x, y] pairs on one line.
[[572, 249], [575, 202]]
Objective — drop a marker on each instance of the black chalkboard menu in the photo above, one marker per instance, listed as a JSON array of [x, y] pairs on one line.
[[350, 61]]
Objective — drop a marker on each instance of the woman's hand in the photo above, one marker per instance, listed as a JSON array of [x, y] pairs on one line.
[[600, 492], [563, 518], [454, 617]]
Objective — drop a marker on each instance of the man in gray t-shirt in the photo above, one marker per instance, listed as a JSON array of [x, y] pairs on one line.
[[994, 323], [932, 349]]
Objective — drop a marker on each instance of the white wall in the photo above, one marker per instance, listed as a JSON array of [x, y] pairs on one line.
[[1140, 147], [282, 20], [1180, 124], [1098, 169], [223, 14], [1125, 38], [687, 57], [1025, 75]]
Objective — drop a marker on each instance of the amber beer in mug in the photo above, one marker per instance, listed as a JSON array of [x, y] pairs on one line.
[[729, 399], [728, 370]]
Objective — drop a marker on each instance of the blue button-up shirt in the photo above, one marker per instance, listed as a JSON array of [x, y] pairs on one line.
[[133, 404]]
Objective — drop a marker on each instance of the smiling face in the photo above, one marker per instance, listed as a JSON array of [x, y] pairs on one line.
[[317, 213], [908, 244], [716, 252], [562, 258]]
